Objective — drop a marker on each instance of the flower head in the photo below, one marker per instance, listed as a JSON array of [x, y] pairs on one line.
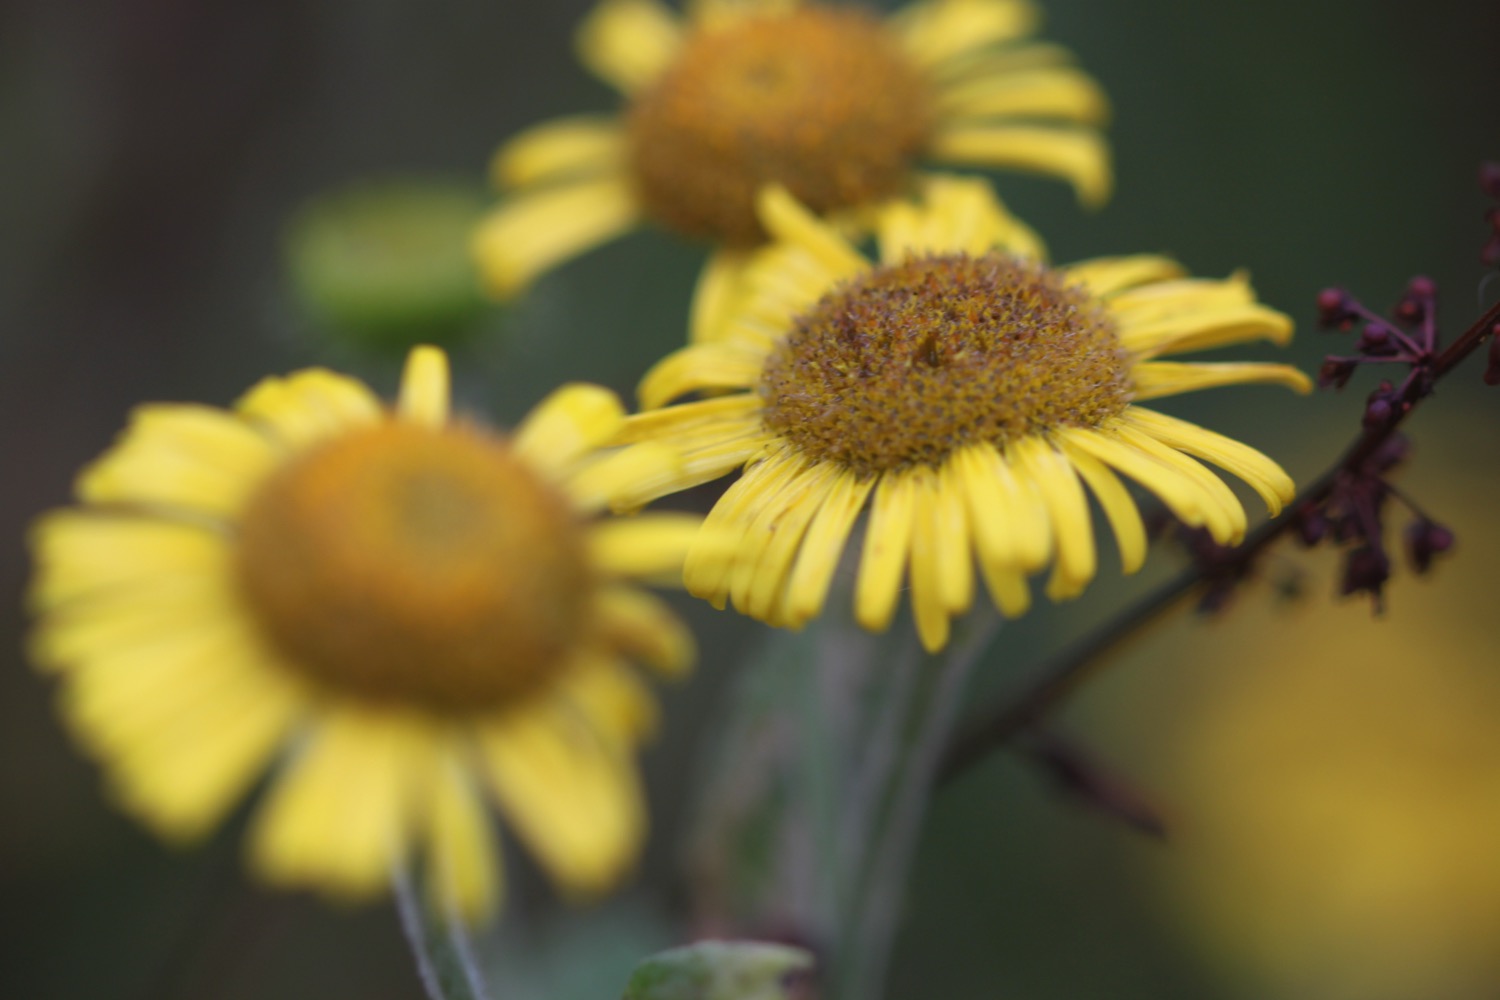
[[961, 390], [831, 102], [404, 615]]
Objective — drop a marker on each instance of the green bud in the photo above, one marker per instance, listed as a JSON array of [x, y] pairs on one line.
[[720, 970], [384, 264]]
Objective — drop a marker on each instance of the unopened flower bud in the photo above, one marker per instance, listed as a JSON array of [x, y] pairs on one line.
[[1424, 540], [1376, 340], [1312, 526], [1335, 309], [1336, 372], [1365, 571]]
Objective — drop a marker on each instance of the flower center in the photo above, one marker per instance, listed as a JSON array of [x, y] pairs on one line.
[[416, 566], [908, 362], [821, 100]]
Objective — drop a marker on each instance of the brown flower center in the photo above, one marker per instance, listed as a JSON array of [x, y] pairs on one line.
[[820, 100], [908, 362], [416, 566]]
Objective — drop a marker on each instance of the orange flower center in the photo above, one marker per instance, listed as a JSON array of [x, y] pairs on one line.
[[908, 362], [820, 100], [416, 566]]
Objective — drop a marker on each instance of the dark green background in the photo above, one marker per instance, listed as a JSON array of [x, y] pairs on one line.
[[150, 153]]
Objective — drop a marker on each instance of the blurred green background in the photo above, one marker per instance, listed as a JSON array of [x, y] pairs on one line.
[[150, 155]]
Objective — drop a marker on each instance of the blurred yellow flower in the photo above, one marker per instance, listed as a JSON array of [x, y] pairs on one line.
[[962, 389], [403, 614], [1333, 783], [829, 101]]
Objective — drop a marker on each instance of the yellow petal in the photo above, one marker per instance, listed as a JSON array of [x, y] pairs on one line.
[[611, 697], [1154, 379], [1203, 331], [957, 213], [1120, 509], [706, 572], [464, 877], [700, 368], [309, 406], [1179, 493], [821, 550], [531, 233], [942, 574], [770, 545], [193, 459], [1061, 92], [340, 817], [628, 43], [565, 147], [649, 547], [716, 294], [1079, 156], [83, 552], [999, 519], [423, 399], [572, 421], [570, 795], [1104, 277], [641, 626], [625, 479], [936, 31], [1224, 517], [785, 218], [1067, 508], [1260, 472], [887, 542]]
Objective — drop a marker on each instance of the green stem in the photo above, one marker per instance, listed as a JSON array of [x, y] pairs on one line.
[[445, 956]]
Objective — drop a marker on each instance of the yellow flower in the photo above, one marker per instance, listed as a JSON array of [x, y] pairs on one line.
[[963, 390], [404, 615], [828, 101]]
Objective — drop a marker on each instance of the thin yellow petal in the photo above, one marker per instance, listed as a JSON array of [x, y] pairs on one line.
[[565, 147], [1224, 517], [1104, 277], [423, 399], [649, 547], [936, 31], [1262, 474], [1179, 493], [758, 586], [625, 479], [1202, 331], [700, 368], [738, 410], [533, 232], [572, 421], [572, 797], [957, 213], [991, 517], [611, 696], [1120, 509], [341, 815], [628, 43], [1079, 156], [942, 571], [82, 552], [785, 218], [1027, 525], [1154, 379], [464, 876], [195, 459], [887, 542], [1181, 297], [1068, 509], [642, 626], [706, 572], [716, 294], [309, 406], [821, 550], [1061, 92]]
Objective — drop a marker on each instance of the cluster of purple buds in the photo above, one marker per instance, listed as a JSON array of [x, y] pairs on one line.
[[1353, 515], [1407, 337]]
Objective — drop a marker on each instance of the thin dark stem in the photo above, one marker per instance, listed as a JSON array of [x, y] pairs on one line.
[[996, 726]]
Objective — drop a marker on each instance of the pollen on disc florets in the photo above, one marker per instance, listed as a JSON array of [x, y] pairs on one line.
[[910, 361], [819, 100], [415, 566]]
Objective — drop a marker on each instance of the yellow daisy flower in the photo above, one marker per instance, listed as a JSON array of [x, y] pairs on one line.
[[829, 101], [962, 390], [404, 615]]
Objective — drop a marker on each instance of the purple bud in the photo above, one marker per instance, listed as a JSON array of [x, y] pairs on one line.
[[1392, 452], [1335, 309], [1489, 179], [1365, 571], [1312, 526], [1416, 304], [1424, 540], [1336, 372], [1378, 412], [1376, 340]]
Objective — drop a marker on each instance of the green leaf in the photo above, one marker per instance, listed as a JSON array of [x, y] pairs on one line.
[[719, 970]]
